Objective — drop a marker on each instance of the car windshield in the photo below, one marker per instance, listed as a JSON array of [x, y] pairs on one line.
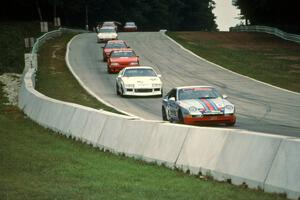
[[198, 93], [130, 24], [139, 72], [115, 45], [108, 24], [109, 30], [117, 54]]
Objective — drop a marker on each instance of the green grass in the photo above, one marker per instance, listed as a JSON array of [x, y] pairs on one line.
[[260, 56], [55, 80], [39, 164]]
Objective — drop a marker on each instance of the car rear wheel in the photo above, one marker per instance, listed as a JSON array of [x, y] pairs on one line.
[[164, 114]]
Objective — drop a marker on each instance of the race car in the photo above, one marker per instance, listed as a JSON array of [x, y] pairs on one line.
[[130, 27], [106, 33], [113, 45], [197, 105], [139, 81], [120, 59], [110, 24]]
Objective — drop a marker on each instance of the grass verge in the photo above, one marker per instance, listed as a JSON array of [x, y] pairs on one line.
[[55, 80], [261, 56], [39, 164]]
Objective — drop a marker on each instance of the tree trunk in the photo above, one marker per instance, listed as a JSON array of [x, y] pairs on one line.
[[39, 10]]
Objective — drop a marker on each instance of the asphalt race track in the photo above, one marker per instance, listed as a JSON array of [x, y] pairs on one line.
[[259, 107]]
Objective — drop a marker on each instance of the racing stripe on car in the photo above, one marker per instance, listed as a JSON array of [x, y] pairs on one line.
[[204, 105], [213, 104], [208, 104]]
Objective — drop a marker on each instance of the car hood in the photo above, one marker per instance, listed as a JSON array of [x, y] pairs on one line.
[[124, 59], [141, 80], [217, 104]]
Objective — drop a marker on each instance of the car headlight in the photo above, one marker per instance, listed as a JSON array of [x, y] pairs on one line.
[[192, 109], [114, 64], [129, 85], [133, 63], [156, 85], [229, 109]]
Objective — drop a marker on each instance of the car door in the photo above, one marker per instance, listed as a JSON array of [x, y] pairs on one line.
[[171, 104]]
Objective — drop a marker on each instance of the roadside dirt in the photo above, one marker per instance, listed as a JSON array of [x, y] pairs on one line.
[[11, 84]]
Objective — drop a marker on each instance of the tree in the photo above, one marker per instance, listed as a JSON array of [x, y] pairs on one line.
[[284, 15]]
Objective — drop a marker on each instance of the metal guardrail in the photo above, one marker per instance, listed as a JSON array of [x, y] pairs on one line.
[[267, 29], [41, 40]]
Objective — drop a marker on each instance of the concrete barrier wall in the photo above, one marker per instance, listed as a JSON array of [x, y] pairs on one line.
[[247, 157], [266, 161], [285, 171], [165, 144], [201, 150]]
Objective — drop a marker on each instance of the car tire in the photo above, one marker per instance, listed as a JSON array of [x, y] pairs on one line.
[[180, 117], [230, 123], [108, 70], [164, 114], [117, 89], [161, 95], [122, 92]]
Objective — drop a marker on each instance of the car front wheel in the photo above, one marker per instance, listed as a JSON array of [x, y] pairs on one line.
[[180, 117], [164, 114], [117, 89], [230, 123]]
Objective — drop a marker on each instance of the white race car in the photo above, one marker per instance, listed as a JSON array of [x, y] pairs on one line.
[[197, 105], [139, 81], [106, 33]]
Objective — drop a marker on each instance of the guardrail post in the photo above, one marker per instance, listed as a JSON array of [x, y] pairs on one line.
[[57, 21], [44, 27]]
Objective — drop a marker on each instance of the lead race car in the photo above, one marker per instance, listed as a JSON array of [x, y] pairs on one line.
[[139, 81], [106, 33], [197, 105]]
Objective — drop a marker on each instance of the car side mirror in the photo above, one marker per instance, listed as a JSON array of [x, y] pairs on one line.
[[172, 99], [159, 75], [224, 96]]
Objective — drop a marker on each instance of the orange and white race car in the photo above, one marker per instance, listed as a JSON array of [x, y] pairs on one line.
[[197, 105]]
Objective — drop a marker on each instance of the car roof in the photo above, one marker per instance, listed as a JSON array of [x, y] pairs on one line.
[[109, 22], [139, 67], [107, 27], [194, 86], [116, 41]]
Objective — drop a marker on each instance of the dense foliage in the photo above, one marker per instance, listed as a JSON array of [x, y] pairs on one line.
[[281, 14], [148, 14]]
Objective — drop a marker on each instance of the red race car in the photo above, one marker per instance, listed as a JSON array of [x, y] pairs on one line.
[[120, 59], [113, 45]]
